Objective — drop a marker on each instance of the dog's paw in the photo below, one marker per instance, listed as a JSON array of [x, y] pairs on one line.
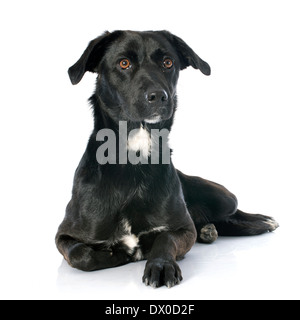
[[262, 223], [208, 234], [159, 272], [271, 223]]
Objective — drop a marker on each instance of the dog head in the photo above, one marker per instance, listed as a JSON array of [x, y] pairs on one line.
[[137, 72]]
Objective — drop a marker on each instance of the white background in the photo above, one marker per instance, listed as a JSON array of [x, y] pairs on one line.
[[239, 127]]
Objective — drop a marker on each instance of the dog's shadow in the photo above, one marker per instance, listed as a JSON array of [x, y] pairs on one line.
[[224, 258], [73, 282]]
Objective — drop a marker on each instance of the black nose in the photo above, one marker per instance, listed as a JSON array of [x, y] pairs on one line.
[[156, 96]]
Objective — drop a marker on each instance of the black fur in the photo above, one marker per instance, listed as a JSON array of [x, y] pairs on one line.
[[123, 212]]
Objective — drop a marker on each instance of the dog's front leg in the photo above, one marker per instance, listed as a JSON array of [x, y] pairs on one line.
[[161, 268], [84, 257]]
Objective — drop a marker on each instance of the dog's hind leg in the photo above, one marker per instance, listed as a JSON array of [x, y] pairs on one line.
[[214, 211], [87, 258], [245, 224], [207, 234], [207, 202]]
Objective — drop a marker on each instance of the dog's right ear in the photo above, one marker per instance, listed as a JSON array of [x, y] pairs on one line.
[[186, 55], [91, 56]]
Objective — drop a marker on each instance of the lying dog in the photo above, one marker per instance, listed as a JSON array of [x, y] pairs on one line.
[[122, 211]]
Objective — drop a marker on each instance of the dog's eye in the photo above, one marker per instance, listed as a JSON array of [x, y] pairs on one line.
[[125, 64], [168, 63]]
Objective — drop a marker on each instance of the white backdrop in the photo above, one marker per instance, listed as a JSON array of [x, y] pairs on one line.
[[245, 124]]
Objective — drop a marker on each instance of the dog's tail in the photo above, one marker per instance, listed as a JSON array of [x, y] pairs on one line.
[[245, 224]]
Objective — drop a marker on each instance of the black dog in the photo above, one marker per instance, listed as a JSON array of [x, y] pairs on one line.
[[122, 212]]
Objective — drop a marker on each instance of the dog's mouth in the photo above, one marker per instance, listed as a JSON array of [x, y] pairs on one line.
[[164, 113], [141, 112], [155, 118]]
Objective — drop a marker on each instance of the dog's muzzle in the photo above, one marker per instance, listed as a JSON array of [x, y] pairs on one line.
[[158, 97], [159, 104]]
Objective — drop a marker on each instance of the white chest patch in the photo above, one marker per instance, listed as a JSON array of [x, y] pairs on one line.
[[140, 140], [131, 241]]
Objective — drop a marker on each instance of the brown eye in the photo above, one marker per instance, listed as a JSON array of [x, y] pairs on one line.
[[168, 63], [125, 64]]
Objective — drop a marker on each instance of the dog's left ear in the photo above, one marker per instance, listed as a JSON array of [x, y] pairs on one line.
[[92, 56], [186, 55]]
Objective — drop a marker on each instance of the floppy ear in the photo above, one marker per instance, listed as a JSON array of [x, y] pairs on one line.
[[186, 55], [91, 56]]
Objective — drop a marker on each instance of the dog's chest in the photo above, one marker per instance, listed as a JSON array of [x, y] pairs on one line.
[[140, 140], [129, 241]]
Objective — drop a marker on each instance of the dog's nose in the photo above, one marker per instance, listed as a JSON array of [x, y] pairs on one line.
[[157, 96]]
